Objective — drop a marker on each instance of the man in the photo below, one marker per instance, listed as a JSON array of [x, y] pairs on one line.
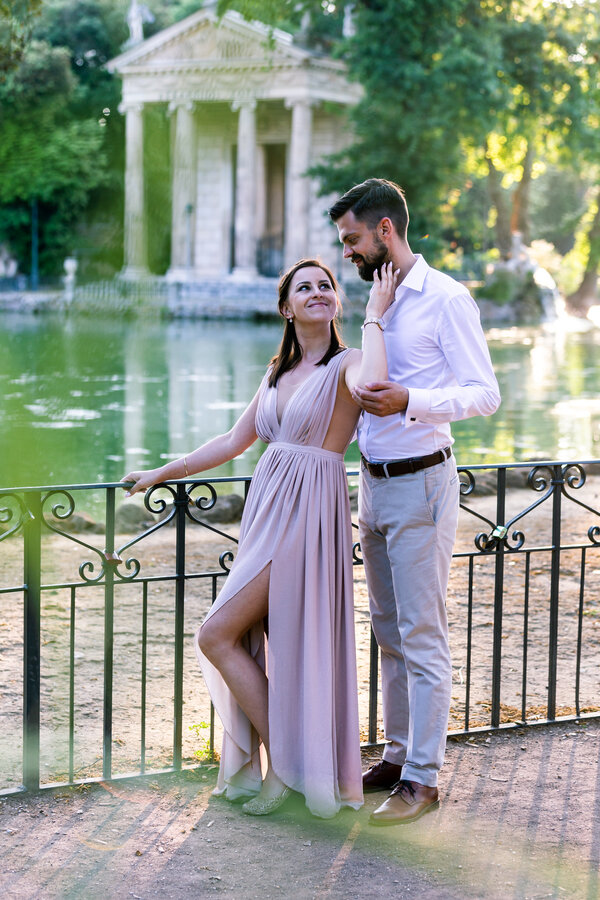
[[439, 371]]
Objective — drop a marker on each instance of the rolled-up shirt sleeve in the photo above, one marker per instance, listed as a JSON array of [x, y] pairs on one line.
[[475, 389]]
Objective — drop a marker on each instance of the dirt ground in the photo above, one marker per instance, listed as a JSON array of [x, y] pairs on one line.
[[61, 562], [520, 818]]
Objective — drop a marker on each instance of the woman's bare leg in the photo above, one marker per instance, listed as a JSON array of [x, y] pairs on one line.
[[220, 640]]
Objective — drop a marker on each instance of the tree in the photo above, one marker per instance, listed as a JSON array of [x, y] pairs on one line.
[[428, 70], [543, 95], [583, 146], [48, 161], [92, 32]]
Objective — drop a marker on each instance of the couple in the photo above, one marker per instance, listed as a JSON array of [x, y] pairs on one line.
[[289, 703]]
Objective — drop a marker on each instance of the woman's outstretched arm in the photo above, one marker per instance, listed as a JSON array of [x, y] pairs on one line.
[[216, 451]]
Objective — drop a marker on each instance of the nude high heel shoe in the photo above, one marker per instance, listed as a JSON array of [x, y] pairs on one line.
[[260, 806]]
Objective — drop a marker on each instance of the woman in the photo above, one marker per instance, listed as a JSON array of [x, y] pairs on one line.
[[289, 704]]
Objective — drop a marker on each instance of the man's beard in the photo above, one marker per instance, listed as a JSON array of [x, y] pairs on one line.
[[374, 261]]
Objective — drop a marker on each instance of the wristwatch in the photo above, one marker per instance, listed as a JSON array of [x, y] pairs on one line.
[[375, 320]]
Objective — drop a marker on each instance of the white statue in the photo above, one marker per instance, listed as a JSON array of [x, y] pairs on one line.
[[137, 14], [348, 26], [70, 265]]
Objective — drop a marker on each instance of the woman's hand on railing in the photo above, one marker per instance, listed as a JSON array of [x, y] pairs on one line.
[[141, 481]]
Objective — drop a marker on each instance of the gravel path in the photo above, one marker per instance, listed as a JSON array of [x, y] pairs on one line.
[[520, 818]]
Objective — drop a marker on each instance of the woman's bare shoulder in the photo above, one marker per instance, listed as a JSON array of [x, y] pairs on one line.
[[351, 356]]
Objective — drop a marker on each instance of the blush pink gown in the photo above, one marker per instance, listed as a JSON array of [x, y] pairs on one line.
[[297, 518]]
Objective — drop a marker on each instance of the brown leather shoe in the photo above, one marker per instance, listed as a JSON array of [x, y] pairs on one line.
[[381, 777], [408, 802]]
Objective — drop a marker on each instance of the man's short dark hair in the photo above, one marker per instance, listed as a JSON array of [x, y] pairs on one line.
[[372, 201]]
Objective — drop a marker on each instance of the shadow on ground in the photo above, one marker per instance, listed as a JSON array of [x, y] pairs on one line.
[[520, 818]]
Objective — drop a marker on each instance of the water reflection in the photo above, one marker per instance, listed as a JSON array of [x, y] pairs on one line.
[[83, 400]]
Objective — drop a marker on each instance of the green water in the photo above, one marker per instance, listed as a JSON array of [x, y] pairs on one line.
[[85, 400]]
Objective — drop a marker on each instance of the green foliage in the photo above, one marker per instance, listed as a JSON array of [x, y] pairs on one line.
[[49, 161], [17, 18], [501, 288], [203, 753], [519, 289], [558, 201], [92, 32], [442, 79], [429, 88], [46, 156], [316, 24], [284, 14]]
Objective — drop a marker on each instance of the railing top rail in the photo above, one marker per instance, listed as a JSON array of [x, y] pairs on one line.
[[102, 485], [530, 463]]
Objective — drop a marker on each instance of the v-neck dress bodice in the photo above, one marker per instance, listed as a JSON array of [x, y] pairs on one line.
[[306, 415], [297, 519]]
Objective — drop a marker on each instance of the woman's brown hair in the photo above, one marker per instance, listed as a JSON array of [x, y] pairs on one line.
[[290, 351]]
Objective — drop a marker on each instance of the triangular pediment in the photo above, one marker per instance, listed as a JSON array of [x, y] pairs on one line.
[[202, 39]]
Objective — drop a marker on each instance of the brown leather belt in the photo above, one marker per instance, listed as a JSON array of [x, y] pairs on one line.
[[404, 466]]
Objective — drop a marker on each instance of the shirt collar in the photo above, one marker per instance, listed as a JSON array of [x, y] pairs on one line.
[[415, 277]]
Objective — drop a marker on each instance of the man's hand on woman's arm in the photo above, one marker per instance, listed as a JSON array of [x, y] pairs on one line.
[[381, 398]]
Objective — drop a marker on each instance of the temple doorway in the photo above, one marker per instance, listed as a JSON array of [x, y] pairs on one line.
[[271, 241]]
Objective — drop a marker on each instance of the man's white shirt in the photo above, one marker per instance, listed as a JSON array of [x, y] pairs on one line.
[[436, 349]]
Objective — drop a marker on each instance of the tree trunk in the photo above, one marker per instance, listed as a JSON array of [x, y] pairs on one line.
[[586, 294], [498, 198], [519, 220]]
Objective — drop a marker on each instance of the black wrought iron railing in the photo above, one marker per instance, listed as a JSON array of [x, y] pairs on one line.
[[99, 600]]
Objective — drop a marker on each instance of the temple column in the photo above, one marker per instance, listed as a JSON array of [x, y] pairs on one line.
[[135, 263], [298, 200], [183, 193], [245, 206]]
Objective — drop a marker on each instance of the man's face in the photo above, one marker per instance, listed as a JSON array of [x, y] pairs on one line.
[[362, 245]]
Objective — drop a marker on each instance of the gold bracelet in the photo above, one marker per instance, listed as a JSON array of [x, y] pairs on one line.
[[185, 468]]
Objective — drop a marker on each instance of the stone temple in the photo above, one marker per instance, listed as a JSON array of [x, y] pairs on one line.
[[249, 111]]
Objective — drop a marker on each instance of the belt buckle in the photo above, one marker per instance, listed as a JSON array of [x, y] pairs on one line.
[[385, 470]]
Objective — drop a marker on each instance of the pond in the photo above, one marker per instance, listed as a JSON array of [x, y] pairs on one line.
[[86, 400]]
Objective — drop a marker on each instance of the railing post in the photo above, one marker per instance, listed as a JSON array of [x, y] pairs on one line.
[[469, 646], [373, 682], [109, 598], [181, 503], [31, 644], [498, 600], [557, 482]]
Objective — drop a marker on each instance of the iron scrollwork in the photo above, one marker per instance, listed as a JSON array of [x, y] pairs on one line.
[[544, 479], [204, 504], [7, 515], [225, 560], [498, 535], [157, 506], [574, 476], [484, 542], [62, 510]]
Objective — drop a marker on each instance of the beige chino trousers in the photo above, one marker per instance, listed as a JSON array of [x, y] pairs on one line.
[[407, 527]]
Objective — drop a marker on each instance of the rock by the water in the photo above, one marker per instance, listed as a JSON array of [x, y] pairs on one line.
[[131, 517], [79, 523], [228, 508]]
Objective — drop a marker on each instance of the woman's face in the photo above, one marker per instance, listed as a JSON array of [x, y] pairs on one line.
[[311, 297]]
